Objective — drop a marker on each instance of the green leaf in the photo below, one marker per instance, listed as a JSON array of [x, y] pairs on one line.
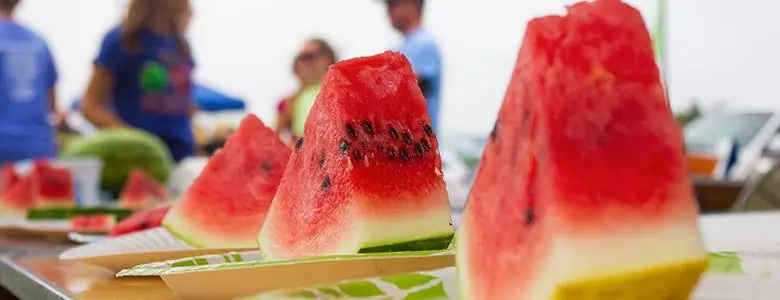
[[435, 292], [360, 289], [407, 281]]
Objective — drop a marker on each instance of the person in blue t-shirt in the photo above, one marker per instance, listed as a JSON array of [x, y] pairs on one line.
[[27, 97], [421, 49], [142, 76]]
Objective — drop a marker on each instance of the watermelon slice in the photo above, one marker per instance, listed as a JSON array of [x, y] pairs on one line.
[[141, 191], [226, 205], [141, 220], [368, 176], [54, 186], [18, 198], [582, 192], [8, 177], [93, 223]]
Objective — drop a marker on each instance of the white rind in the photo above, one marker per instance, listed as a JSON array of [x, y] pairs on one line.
[[177, 225], [572, 258], [408, 226]]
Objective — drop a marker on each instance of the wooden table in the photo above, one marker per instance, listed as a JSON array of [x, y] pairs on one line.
[[46, 277]]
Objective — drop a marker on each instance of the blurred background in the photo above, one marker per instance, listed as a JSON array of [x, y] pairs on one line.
[[717, 57]]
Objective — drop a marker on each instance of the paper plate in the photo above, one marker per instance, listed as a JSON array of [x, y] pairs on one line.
[[133, 249], [232, 280], [157, 268], [730, 277]]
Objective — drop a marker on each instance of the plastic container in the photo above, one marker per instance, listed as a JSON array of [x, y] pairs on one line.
[[86, 177]]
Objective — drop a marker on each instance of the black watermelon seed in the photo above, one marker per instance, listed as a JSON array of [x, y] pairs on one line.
[[266, 166], [393, 133], [344, 146], [299, 144], [428, 130], [424, 144], [326, 183], [357, 155], [407, 138], [391, 153], [494, 132], [529, 216], [418, 149], [367, 127], [380, 148], [322, 160], [143, 224], [404, 154], [351, 131]]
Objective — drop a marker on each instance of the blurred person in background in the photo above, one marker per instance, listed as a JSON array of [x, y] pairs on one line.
[[27, 91], [142, 75], [420, 47], [283, 112], [310, 67]]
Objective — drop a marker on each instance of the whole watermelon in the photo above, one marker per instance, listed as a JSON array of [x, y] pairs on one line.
[[123, 150]]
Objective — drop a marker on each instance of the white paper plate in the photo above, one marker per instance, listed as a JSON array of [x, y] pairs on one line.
[[151, 240]]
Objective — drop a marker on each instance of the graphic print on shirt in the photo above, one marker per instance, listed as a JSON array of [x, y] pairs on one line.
[[21, 69], [166, 85]]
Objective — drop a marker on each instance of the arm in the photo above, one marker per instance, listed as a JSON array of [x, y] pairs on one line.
[[94, 106]]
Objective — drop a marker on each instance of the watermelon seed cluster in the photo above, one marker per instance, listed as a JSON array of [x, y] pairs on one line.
[[410, 145]]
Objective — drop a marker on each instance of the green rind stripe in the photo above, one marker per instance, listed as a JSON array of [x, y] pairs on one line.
[[437, 243]]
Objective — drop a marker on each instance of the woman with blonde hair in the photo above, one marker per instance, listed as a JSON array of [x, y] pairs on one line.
[[142, 75]]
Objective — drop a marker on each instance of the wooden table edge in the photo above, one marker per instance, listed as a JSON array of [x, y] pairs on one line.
[[23, 283]]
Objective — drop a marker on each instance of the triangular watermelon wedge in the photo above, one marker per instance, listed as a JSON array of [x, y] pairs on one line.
[[141, 191], [18, 198], [583, 192], [54, 186], [367, 175], [220, 209]]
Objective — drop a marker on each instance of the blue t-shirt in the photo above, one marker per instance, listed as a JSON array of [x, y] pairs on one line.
[[27, 75], [153, 87], [421, 49]]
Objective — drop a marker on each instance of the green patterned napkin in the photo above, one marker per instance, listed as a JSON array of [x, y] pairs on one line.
[[158, 268]]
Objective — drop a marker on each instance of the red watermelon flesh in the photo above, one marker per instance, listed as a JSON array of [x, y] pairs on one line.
[[18, 198], [93, 223], [141, 191], [55, 186], [227, 204], [8, 177], [582, 192], [141, 220], [367, 176]]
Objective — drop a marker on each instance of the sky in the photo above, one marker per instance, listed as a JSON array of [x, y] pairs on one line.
[[719, 51]]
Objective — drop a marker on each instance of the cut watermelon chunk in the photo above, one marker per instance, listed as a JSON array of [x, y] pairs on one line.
[[18, 198], [582, 192], [8, 177], [368, 176], [141, 221], [54, 186], [227, 204], [141, 191], [93, 223]]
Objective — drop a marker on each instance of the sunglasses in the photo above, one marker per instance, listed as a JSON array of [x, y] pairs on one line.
[[308, 56]]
